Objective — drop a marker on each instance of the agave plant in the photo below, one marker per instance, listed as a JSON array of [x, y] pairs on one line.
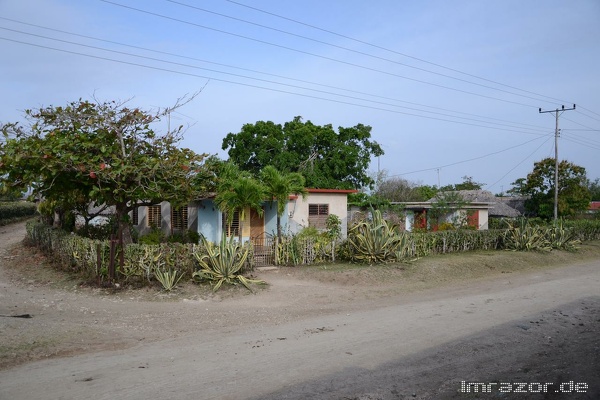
[[561, 237], [374, 241], [222, 263], [168, 278], [526, 237]]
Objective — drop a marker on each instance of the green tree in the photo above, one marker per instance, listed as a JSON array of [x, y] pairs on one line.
[[573, 193], [446, 204], [467, 184], [102, 153], [237, 192], [279, 186], [518, 187], [398, 189], [594, 188], [326, 158], [426, 192], [365, 200], [8, 193]]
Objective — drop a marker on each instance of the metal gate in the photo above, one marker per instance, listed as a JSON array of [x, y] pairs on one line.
[[264, 250]]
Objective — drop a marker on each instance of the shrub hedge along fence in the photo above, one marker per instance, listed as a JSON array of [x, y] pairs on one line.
[[375, 242], [11, 211]]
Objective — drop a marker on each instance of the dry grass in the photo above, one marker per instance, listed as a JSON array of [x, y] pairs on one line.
[[446, 269]]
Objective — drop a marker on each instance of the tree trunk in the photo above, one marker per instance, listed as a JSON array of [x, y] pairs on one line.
[[123, 227], [279, 227]]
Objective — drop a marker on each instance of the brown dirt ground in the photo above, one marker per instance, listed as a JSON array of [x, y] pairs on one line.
[[71, 317]]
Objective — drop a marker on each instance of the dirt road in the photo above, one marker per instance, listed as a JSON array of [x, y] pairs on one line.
[[310, 340]]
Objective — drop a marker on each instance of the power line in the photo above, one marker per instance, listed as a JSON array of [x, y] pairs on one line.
[[515, 167], [249, 70], [468, 160], [348, 49], [583, 142], [586, 109], [315, 55], [575, 122], [272, 89], [589, 116], [392, 51]]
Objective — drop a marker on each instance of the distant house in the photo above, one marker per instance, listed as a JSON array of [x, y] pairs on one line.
[[204, 217], [501, 207], [474, 214], [477, 208], [594, 207]]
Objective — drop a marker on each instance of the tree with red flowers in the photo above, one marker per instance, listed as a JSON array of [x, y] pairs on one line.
[[102, 153]]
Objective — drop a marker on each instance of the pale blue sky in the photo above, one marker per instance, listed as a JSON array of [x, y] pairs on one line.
[[411, 70]]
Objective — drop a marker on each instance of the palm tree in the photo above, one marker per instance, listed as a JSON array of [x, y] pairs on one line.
[[238, 191], [278, 188]]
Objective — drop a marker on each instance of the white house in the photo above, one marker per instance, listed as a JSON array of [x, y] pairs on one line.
[[205, 218]]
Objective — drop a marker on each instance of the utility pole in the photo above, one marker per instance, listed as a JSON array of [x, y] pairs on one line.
[[556, 112]]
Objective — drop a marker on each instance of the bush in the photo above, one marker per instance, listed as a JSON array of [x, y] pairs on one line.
[[14, 211], [98, 232], [584, 229], [374, 240], [223, 263], [78, 254], [524, 235], [309, 246], [157, 236]]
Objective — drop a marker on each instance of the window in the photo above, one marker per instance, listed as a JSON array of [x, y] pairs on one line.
[[154, 217], [179, 218], [135, 217], [317, 215], [234, 229]]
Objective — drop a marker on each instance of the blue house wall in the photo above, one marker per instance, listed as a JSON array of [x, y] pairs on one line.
[[209, 220]]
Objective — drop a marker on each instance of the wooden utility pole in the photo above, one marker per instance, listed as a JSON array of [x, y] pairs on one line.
[[556, 112]]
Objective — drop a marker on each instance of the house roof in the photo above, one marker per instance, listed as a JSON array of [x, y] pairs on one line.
[[594, 205], [426, 205], [499, 205], [341, 191], [212, 195], [326, 191]]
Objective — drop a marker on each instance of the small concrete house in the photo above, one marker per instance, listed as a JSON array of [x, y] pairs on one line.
[[475, 214], [479, 207], [204, 217]]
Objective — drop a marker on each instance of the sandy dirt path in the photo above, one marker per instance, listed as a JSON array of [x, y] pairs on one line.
[[542, 325]]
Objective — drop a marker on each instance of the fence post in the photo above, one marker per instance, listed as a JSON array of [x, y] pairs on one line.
[[111, 261], [98, 262]]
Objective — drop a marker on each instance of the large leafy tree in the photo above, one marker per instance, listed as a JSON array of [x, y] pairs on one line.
[[98, 152], [573, 193], [279, 186], [326, 158]]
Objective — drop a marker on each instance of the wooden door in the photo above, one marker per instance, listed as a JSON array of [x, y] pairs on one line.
[[257, 224]]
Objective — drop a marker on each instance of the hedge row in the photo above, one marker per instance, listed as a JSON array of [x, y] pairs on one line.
[[420, 244], [584, 229], [92, 257], [141, 261], [14, 210]]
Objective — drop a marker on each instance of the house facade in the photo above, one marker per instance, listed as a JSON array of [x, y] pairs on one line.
[[204, 217], [473, 214]]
